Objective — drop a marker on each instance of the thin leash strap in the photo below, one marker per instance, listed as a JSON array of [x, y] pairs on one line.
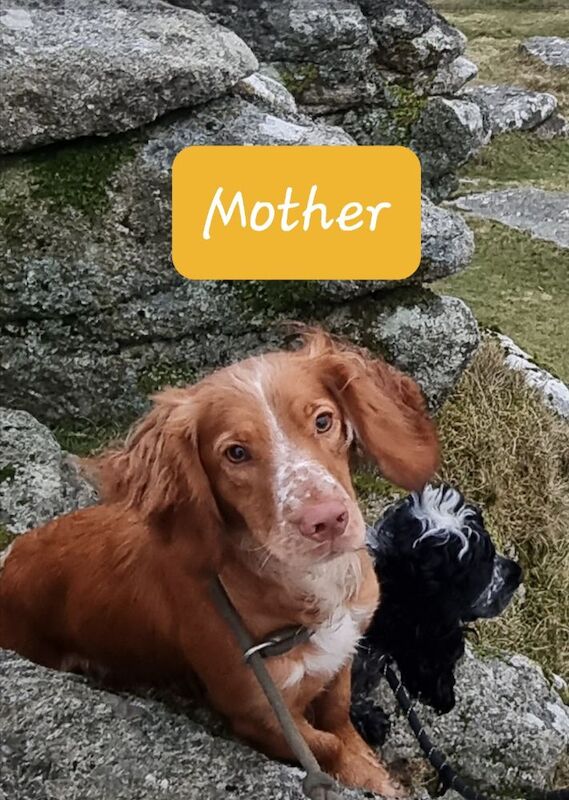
[[317, 785], [450, 779]]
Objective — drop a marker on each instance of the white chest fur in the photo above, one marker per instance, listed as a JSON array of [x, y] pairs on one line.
[[333, 643]]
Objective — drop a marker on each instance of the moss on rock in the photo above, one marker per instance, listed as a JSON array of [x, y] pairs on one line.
[[61, 177], [76, 175], [407, 106], [298, 77], [7, 472], [6, 537], [164, 374]]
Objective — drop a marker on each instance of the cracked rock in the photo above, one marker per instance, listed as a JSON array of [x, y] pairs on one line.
[[81, 68]]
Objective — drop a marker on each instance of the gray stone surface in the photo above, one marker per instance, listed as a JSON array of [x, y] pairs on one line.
[[554, 127], [543, 214], [62, 739], [432, 338], [411, 35], [553, 391], [447, 133], [91, 308], [38, 481], [509, 729], [451, 78], [78, 67], [366, 66], [553, 51], [511, 108], [447, 242], [323, 49], [265, 91]]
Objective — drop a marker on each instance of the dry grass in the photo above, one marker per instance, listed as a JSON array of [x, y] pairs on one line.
[[495, 29], [506, 451]]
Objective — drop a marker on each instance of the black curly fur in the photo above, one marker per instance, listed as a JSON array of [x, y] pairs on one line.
[[438, 570]]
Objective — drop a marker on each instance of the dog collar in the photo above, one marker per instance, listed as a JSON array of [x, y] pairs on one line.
[[280, 642]]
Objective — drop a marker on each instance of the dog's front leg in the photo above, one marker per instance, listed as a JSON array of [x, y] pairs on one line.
[[355, 763], [266, 735]]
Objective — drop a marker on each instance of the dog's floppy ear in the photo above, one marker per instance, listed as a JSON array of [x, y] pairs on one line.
[[386, 409], [159, 474]]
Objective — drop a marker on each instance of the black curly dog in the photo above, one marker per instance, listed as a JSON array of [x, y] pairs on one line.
[[438, 570]]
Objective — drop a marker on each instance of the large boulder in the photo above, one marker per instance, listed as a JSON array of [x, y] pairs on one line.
[[324, 52], [63, 738], [91, 308], [447, 133], [510, 108], [369, 66], [508, 732], [411, 35], [38, 480], [430, 337], [73, 69]]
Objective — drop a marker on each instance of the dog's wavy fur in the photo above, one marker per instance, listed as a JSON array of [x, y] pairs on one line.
[[439, 571], [122, 589]]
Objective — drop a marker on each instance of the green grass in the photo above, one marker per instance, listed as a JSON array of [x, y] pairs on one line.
[[518, 158], [495, 29], [84, 438], [518, 286]]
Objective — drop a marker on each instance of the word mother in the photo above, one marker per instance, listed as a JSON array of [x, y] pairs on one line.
[[352, 215]]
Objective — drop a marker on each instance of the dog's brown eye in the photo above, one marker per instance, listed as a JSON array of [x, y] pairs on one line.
[[237, 454], [323, 422]]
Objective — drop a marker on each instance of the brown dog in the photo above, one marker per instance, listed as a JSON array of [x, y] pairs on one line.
[[244, 475]]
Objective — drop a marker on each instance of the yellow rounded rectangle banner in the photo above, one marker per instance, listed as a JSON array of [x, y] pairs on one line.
[[296, 213]]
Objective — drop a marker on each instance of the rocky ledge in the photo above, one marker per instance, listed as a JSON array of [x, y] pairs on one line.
[[92, 310]]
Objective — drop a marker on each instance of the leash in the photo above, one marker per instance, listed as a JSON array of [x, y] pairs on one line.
[[317, 785], [449, 778]]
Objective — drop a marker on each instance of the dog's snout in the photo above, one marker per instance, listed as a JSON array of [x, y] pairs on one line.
[[323, 521]]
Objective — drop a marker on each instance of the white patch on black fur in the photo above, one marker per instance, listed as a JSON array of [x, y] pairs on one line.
[[443, 513]]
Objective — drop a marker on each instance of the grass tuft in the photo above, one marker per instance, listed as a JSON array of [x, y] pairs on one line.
[[510, 454]]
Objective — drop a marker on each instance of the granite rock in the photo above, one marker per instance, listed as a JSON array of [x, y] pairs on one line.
[[91, 309], [554, 392], [323, 50], [554, 127], [411, 35], [510, 108], [553, 51], [63, 738], [447, 133], [77, 68], [38, 480], [541, 213], [430, 337], [451, 78], [508, 732]]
